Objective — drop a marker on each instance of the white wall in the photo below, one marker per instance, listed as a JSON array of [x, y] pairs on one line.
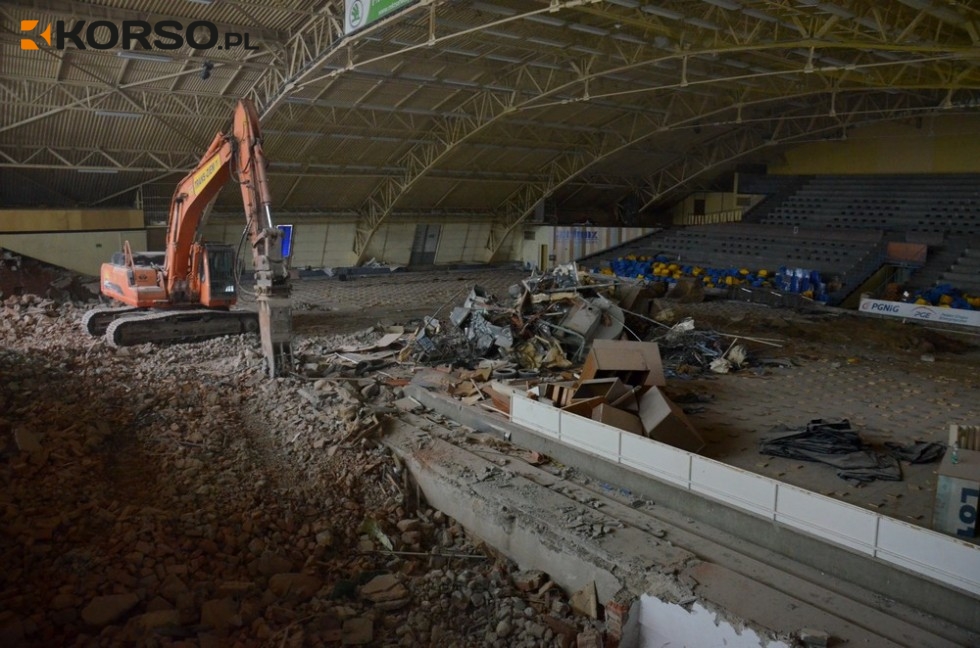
[[83, 252], [568, 243], [330, 244]]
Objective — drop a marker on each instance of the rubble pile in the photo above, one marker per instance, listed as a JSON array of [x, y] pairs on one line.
[[24, 276], [688, 351], [175, 496], [548, 322]]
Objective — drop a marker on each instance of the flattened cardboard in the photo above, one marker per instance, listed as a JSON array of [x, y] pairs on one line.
[[666, 422], [635, 363], [617, 418]]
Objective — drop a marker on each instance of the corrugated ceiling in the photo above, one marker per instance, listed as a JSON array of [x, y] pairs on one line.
[[465, 103]]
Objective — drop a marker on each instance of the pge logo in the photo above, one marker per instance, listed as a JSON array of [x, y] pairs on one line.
[[30, 43], [104, 35], [922, 313]]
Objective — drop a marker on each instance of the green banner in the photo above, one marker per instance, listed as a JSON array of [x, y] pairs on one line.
[[361, 13]]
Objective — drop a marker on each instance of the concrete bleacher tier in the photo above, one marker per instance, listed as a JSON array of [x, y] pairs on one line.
[[754, 246], [837, 225], [941, 203], [766, 246], [965, 273]]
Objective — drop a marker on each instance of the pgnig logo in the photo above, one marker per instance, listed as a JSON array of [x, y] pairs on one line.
[[104, 35]]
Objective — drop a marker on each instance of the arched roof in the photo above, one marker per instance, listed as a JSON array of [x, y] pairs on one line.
[[460, 107]]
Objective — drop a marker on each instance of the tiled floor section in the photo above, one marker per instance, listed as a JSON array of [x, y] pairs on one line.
[[868, 371]]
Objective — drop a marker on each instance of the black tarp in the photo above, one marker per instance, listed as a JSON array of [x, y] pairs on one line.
[[836, 444]]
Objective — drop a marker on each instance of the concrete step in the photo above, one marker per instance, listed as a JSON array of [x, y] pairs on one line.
[[969, 282]]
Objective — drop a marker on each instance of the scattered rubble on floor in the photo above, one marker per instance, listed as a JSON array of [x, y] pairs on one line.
[[175, 496], [27, 277]]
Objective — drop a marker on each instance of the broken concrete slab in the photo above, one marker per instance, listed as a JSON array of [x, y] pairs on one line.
[[295, 585], [386, 592], [220, 614], [26, 440], [357, 631], [586, 601], [103, 610]]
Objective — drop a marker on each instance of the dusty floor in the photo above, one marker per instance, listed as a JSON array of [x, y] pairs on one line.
[[869, 371]]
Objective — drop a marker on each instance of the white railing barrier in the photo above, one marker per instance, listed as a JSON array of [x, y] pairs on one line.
[[917, 549]]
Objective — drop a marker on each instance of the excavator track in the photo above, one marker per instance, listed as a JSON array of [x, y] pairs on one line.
[[96, 321], [179, 326]]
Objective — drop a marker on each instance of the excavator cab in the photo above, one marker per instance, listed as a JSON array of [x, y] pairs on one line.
[[217, 272]]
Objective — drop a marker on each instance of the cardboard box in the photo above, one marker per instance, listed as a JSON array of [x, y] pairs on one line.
[[559, 393], [584, 407], [666, 422], [958, 494], [617, 418], [635, 363], [610, 389]]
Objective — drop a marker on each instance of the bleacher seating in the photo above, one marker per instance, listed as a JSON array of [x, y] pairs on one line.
[[965, 273], [837, 225], [947, 203], [752, 246]]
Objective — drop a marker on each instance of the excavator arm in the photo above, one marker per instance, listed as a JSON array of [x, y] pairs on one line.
[[236, 157]]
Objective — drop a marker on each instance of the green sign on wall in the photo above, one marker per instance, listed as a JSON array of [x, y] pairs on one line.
[[361, 13]]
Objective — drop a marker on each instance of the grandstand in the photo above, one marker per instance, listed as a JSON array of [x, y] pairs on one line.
[[838, 226]]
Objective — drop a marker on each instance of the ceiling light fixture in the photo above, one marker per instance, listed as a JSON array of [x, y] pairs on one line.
[[589, 29], [724, 4], [546, 20], [143, 56], [664, 13], [117, 113], [547, 42], [491, 8]]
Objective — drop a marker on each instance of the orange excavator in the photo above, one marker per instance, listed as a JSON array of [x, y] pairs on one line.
[[187, 292]]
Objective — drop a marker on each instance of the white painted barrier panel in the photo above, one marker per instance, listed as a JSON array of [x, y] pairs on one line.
[[733, 485], [657, 459], [942, 557], [591, 435], [537, 416], [923, 551], [918, 313], [827, 518]]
